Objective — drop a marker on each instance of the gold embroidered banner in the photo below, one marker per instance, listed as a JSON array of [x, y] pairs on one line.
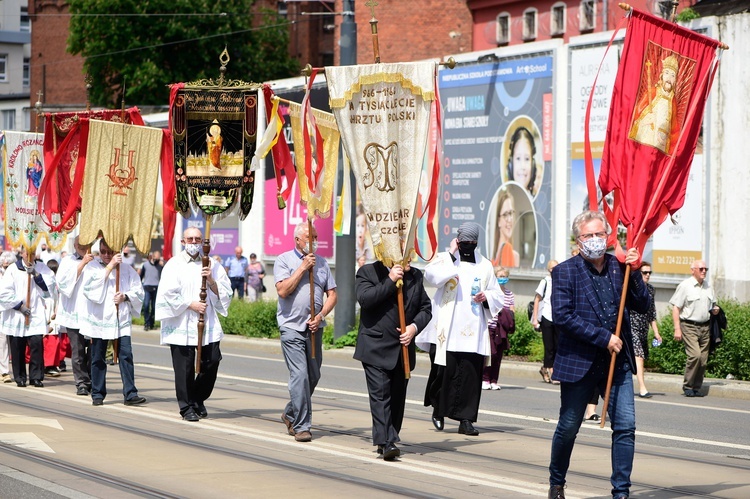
[[383, 113], [318, 206], [23, 166], [119, 187]]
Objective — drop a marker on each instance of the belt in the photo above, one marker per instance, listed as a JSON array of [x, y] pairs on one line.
[[695, 323]]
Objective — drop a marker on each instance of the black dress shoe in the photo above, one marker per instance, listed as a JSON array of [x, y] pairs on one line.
[[137, 400], [380, 449], [37, 383], [21, 384], [438, 422], [466, 428], [391, 452], [97, 401], [201, 411], [689, 393], [191, 416]]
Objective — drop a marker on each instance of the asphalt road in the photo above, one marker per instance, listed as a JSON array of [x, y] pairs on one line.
[[55, 444]]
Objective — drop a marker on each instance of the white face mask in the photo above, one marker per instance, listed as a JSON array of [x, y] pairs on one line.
[[192, 249], [594, 248], [314, 247]]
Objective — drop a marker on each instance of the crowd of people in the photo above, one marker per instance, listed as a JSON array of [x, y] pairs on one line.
[[465, 327]]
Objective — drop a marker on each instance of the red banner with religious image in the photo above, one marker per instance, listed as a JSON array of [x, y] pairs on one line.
[[662, 84]]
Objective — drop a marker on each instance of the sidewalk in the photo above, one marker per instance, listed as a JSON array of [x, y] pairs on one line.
[[657, 383]]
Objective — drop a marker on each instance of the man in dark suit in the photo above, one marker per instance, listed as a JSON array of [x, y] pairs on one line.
[[379, 344], [586, 292]]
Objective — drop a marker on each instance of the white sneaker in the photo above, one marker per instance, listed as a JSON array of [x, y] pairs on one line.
[[495, 386], [486, 385]]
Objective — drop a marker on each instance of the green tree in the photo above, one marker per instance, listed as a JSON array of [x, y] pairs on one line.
[[148, 44]]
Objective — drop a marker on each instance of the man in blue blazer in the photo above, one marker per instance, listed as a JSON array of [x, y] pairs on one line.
[[586, 292], [379, 344]]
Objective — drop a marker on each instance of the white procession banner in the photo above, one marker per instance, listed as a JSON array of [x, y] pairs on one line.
[[23, 173], [383, 115]]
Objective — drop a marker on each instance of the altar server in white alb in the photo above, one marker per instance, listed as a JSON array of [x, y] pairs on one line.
[[14, 286], [457, 338], [69, 279], [178, 307], [107, 316]]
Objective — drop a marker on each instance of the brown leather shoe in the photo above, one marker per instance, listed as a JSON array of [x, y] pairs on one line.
[[556, 492], [289, 427], [303, 436]]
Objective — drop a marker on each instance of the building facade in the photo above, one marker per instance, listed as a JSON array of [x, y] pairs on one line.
[[15, 49], [501, 23]]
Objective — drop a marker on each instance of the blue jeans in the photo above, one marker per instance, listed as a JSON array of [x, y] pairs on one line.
[[99, 368], [149, 305], [621, 411]]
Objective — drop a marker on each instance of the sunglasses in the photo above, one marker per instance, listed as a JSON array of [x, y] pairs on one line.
[[648, 272], [702, 269]]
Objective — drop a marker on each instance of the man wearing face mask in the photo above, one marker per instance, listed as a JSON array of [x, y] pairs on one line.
[[468, 296], [296, 322], [178, 307], [586, 292]]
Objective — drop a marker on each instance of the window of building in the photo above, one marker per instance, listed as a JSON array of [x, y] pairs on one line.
[[281, 8], [25, 22], [529, 24], [557, 19], [503, 29], [9, 119], [26, 72], [588, 15], [664, 9], [3, 67]]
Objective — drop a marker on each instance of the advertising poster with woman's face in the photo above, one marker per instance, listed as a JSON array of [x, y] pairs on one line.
[[498, 140]]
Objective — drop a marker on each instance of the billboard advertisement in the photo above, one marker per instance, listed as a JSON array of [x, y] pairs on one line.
[[497, 129]]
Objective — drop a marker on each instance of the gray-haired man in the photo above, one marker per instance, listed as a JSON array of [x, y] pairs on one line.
[[291, 272]]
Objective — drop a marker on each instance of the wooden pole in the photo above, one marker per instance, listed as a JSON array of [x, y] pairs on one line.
[[618, 330], [116, 341], [28, 297], [402, 321], [203, 295], [311, 273]]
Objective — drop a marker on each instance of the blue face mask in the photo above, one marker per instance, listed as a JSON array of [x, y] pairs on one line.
[[503, 280]]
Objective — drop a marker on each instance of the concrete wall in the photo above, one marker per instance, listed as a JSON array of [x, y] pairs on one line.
[[729, 175]]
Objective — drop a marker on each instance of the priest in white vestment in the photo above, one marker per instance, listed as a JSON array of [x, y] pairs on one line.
[[178, 307], [107, 316], [457, 338], [14, 286]]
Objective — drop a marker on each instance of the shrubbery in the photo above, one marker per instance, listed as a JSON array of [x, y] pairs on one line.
[[258, 320]]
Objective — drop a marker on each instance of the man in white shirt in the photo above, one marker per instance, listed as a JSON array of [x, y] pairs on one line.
[[178, 307], [108, 317]]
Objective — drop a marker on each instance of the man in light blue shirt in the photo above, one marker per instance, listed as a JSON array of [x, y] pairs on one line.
[[237, 271]]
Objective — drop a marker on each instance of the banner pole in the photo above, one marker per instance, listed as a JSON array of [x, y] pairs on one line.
[[311, 274], [402, 321], [618, 330], [203, 295]]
